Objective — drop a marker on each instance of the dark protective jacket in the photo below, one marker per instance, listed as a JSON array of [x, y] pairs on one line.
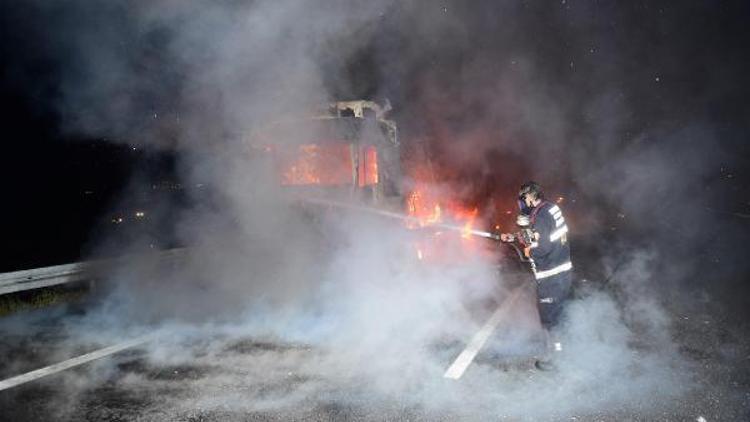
[[551, 253]]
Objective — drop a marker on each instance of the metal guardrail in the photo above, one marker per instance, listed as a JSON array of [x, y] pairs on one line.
[[36, 278]]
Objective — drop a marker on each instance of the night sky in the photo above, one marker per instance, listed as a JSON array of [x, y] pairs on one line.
[[666, 70], [128, 124]]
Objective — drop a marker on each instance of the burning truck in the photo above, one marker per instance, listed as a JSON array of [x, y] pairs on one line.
[[347, 155], [346, 151]]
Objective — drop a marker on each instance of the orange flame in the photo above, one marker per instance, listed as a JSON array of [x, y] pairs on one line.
[[427, 211], [423, 208], [429, 206], [466, 232], [330, 163]]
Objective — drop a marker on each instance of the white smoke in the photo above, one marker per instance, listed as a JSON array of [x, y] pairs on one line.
[[368, 324]]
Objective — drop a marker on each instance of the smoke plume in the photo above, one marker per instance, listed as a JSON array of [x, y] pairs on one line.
[[498, 92]]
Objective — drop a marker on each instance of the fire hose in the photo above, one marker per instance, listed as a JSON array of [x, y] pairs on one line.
[[395, 215]]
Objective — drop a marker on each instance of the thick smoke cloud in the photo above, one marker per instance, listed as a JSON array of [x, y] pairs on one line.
[[499, 91], [168, 71]]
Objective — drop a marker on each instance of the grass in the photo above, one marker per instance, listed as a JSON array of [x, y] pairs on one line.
[[40, 298]]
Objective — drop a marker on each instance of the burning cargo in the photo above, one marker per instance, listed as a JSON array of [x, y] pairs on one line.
[[347, 156], [348, 150]]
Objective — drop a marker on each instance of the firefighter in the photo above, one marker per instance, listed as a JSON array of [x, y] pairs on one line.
[[549, 252]]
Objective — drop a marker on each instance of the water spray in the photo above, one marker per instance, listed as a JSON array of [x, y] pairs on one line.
[[415, 220], [402, 217]]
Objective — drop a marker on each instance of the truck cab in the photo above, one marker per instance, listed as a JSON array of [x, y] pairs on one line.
[[347, 150]]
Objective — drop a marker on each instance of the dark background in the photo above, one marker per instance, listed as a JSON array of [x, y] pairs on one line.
[[675, 63]]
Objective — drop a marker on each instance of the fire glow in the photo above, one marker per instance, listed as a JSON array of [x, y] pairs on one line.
[[428, 210], [330, 164]]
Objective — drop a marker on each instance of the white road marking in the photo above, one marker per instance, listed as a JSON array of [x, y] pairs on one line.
[[462, 362], [70, 363]]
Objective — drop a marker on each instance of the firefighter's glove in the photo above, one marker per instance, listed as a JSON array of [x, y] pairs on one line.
[[527, 248], [507, 237]]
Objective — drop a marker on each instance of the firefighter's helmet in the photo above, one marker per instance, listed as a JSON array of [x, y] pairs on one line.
[[532, 188]]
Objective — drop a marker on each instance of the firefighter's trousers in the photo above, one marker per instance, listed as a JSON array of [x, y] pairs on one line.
[[552, 293]]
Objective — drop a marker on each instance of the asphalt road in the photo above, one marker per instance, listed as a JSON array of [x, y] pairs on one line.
[[694, 365], [213, 374]]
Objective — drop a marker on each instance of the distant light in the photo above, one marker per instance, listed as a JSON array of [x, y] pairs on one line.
[[140, 214], [117, 220]]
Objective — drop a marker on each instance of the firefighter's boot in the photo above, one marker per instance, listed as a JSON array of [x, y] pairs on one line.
[[553, 349]]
